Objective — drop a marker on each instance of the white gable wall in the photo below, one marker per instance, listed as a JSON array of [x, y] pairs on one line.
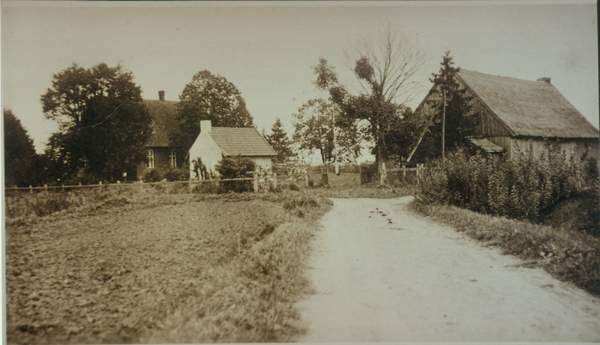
[[207, 150]]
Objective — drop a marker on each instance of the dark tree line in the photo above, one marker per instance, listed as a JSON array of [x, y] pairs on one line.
[[104, 125], [21, 162]]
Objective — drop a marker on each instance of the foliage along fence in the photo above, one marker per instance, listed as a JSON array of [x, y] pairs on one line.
[[524, 187], [256, 184]]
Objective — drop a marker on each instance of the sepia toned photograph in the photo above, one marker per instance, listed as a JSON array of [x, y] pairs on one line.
[[300, 172]]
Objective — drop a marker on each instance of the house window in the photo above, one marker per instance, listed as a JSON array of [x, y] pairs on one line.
[[150, 158], [173, 159]]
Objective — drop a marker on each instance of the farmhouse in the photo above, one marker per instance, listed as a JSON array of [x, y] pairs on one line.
[[515, 114], [160, 151], [214, 143]]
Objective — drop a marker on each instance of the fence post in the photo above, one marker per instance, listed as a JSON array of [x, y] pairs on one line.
[[360, 178], [217, 182], [30, 189], [306, 177], [274, 180], [63, 188], [46, 188], [255, 182]]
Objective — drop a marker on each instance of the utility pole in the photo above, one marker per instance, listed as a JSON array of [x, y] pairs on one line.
[[443, 122]]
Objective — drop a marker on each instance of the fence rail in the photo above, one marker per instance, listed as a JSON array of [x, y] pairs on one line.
[[368, 170], [256, 179]]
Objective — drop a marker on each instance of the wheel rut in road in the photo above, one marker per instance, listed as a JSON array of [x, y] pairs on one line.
[[383, 273]]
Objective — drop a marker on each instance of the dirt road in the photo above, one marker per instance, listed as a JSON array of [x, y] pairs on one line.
[[396, 276]]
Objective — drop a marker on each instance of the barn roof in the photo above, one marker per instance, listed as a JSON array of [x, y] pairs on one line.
[[487, 145], [164, 122], [529, 108], [241, 141]]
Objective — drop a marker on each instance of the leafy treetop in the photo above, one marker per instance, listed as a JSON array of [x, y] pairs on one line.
[[209, 97], [103, 122]]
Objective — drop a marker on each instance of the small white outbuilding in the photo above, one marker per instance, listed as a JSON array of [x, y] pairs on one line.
[[214, 143]]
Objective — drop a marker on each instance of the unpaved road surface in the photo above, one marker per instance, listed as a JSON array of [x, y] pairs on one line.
[[402, 277]]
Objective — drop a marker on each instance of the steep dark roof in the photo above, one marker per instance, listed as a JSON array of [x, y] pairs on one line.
[[164, 122], [529, 108], [241, 141]]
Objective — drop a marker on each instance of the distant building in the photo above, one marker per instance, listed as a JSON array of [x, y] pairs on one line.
[[161, 152], [214, 143], [515, 114]]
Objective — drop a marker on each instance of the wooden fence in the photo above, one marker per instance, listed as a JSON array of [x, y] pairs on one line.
[[257, 180], [369, 174]]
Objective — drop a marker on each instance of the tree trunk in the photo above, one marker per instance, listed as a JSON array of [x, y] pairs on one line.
[[381, 152]]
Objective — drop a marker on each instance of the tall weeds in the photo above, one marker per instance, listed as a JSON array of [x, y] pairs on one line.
[[524, 187]]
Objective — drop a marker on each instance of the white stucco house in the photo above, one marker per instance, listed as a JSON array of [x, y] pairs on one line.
[[214, 143]]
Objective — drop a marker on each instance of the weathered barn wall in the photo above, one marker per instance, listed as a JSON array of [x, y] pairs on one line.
[[579, 147]]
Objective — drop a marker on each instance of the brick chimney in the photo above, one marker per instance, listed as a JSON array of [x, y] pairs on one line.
[[545, 80], [205, 126], [161, 96]]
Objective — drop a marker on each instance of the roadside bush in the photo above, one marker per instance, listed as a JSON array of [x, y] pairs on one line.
[[524, 187], [299, 201], [236, 167]]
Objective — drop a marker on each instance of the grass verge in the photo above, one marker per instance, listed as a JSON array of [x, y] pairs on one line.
[[569, 255], [252, 298]]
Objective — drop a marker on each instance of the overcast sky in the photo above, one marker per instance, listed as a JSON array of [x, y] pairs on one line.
[[267, 49]]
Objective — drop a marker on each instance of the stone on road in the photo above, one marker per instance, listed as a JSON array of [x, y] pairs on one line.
[[382, 273]]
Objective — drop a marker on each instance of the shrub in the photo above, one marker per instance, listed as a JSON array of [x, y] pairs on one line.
[[153, 176], [524, 187], [177, 174], [236, 167]]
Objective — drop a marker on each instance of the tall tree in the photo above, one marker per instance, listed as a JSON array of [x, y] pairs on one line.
[[384, 67], [20, 158], [209, 97], [454, 120], [348, 138], [103, 123], [313, 124], [279, 141]]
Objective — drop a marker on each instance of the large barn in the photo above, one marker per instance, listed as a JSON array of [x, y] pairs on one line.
[[516, 114]]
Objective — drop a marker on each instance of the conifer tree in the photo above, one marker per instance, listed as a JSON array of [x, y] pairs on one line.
[[19, 155], [454, 120], [279, 141]]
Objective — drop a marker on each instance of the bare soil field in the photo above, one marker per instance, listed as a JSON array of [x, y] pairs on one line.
[[382, 273], [117, 275]]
